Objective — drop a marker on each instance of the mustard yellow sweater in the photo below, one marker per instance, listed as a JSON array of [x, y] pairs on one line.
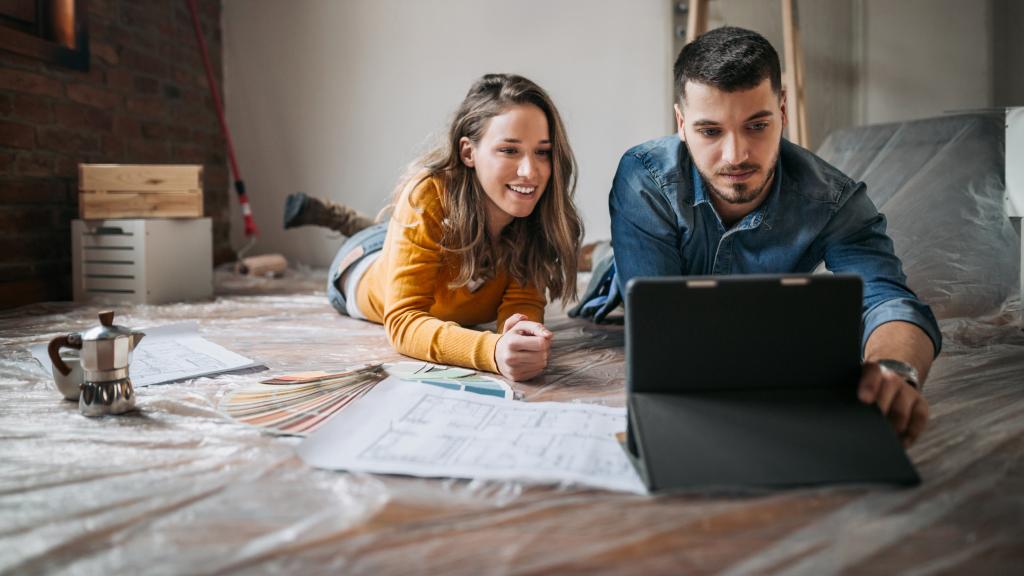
[[406, 289]]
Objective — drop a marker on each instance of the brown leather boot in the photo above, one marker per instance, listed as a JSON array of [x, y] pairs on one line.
[[303, 210]]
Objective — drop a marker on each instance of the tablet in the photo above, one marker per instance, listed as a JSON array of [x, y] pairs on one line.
[[751, 381]]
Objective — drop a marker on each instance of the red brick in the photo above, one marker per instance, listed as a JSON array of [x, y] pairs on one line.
[[103, 10], [78, 116], [69, 142], [183, 77], [6, 161], [146, 85], [155, 151], [92, 96], [31, 109], [172, 92], [126, 127], [182, 53], [35, 164], [93, 76], [121, 81], [6, 105], [175, 132], [189, 154], [65, 166], [29, 249], [146, 106], [143, 62], [215, 177], [16, 217], [41, 289], [32, 191], [17, 135], [141, 15], [29, 82], [109, 53], [113, 148], [209, 135]]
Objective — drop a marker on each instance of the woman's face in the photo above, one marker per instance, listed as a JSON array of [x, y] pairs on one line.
[[512, 161]]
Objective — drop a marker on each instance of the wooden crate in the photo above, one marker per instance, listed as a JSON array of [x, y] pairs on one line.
[[139, 191]]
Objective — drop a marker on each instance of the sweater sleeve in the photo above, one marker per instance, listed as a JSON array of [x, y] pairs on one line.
[[521, 299], [414, 267]]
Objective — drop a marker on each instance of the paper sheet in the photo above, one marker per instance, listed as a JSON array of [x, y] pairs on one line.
[[170, 353], [420, 430]]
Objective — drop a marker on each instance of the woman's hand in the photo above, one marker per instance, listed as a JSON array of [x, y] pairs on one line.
[[523, 348]]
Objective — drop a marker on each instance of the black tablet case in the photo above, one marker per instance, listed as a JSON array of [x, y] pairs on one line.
[[739, 382]]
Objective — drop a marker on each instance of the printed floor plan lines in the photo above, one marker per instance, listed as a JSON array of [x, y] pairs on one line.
[[421, 430]]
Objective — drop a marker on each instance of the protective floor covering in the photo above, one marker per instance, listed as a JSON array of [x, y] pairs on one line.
[[176, 488]]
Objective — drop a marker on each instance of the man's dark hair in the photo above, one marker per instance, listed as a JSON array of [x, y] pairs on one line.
[[729, 59]]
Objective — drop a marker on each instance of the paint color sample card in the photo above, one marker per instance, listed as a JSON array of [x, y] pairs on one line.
[[297, 404], [451, 378]]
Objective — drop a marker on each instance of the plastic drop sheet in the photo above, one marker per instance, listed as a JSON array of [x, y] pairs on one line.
[[175, 488]]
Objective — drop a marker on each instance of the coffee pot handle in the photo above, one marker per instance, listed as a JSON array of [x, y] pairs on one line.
[[67, 341]]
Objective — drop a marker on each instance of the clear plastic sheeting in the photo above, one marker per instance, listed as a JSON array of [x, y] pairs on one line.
[[941, 184], [177, 488]]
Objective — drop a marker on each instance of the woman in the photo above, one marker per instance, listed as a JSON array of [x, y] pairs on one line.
[[482, 228]]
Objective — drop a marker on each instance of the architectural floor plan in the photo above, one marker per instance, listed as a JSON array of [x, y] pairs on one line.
[[411, 428]]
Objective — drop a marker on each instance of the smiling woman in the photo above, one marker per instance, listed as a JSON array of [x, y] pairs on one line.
[[483, 229]]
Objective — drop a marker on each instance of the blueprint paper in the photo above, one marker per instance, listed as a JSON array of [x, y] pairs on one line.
[[421, 430], [170, 353]]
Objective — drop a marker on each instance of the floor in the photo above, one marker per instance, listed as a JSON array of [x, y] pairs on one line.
[[177, 488]]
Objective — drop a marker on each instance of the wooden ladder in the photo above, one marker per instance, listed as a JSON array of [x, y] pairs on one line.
[[792, 76]]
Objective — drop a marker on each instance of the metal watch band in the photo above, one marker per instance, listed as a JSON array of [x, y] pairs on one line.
[[908, 372]]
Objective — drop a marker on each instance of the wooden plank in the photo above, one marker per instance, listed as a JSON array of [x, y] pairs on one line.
[[97, 205], [140, 177], [794, 93], [696, 19]]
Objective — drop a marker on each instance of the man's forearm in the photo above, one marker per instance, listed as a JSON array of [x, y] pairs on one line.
[[902, 341]]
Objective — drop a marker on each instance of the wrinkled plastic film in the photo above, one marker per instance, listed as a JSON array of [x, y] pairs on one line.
[[177, 488]]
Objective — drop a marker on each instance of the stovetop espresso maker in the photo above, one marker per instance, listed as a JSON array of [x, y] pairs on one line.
[[106, 352]]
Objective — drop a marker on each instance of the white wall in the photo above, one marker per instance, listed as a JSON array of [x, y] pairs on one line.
[[922, 58], [334, 98]]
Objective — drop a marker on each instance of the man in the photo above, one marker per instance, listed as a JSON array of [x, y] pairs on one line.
[[729, 196]]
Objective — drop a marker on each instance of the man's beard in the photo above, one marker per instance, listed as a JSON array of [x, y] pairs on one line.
[[741, 192]]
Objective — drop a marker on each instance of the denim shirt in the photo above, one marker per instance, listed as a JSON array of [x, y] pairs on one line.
[[664, 224]]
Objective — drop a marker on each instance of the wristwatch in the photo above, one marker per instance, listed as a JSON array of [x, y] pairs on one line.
[[908, 372]]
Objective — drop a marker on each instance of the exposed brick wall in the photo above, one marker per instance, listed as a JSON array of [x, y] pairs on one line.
[[143, 100]]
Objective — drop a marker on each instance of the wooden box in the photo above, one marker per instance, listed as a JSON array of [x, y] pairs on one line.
[[139, 191]]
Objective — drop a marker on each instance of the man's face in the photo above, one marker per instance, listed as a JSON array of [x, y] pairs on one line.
[[733, 138]]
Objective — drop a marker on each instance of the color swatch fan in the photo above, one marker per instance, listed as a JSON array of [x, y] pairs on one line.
[[298, 404]]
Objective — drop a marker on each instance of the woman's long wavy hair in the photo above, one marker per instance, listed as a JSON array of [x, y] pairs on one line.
[[538, 250]]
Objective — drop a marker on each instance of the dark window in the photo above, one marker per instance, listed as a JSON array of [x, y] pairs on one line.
[[51, 30]]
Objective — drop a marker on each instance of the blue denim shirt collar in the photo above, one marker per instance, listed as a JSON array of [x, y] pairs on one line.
[[763, 212]]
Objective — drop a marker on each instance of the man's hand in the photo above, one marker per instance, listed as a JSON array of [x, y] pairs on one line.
[[901, 403], [523, 349]]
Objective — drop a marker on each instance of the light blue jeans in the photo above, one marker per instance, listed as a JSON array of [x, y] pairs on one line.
[[371, 240]]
